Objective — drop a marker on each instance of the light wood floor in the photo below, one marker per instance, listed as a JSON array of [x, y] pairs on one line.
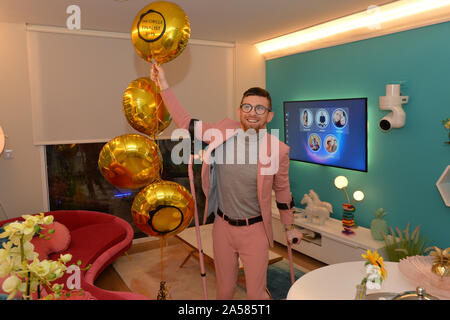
[[110, 280]]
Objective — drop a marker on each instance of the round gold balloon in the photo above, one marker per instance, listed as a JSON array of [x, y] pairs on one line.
[[144, 108], [160, 31], [162, 209], [130, 161]]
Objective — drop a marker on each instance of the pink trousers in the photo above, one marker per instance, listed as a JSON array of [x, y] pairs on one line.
[[248, 243]]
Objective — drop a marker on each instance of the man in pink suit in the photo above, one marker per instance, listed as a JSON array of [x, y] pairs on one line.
[[238, 190]]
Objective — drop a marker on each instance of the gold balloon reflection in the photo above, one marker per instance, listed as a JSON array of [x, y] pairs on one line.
[[144, 108], [160, 31], [130, 161], [162, 209]]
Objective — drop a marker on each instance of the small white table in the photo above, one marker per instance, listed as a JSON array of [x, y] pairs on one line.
[[189, 236], [338, 282]]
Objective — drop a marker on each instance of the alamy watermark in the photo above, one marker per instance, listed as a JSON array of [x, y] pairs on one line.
[[73, 22], [261, 147], [374, 17]]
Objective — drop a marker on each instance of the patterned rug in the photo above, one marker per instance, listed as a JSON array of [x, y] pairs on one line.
[[279, 278], [141, 272]]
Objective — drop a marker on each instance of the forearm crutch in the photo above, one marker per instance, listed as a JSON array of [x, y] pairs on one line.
[[291, 263], [197, 227]]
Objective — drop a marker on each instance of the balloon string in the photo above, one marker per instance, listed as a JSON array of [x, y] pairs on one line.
[[162, 264]]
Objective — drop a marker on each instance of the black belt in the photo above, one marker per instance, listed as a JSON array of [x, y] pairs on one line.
[[239, 222]]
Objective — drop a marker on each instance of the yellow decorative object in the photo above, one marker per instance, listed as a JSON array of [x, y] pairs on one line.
[[441, 263], [375, 260], [160, 31], [144, 108], [162, 209], [446, 123], [130, 161]]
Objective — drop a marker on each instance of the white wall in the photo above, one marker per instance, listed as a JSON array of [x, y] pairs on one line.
[[250, 71], [22, 180]]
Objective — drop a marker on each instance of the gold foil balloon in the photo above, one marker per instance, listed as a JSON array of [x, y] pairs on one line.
[[144, 108], [162, 209], [160, 31], [130, 161]]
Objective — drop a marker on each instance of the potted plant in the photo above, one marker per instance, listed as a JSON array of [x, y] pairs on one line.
[[404, 244], [19, 263]]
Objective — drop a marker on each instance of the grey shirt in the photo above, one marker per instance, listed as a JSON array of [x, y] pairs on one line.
[[236, 170]]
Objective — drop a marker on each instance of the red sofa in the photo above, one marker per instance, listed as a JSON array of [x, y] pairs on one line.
[[98, 239]]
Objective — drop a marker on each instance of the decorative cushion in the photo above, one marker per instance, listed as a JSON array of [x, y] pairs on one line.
[[91, 241], [59, 240]]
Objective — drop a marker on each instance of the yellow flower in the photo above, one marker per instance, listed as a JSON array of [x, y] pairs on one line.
[[376, 260], [40, 268], [48, 220], [11, 285], [66, 257]]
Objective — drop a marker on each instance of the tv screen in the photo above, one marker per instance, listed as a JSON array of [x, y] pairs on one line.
[[328, 132]]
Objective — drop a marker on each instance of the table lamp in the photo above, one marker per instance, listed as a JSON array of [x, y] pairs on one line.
[[348, 216]]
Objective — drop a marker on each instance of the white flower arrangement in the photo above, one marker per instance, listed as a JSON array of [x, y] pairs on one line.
[[373, 279], [26, 273]]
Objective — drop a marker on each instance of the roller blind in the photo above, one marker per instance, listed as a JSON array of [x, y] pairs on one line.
[[77, 83]]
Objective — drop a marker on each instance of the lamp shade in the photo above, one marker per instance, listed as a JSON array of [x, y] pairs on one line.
[[340, 182], [358, 195]]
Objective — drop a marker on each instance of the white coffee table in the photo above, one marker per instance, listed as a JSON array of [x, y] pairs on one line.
[[189, 236], [338, 282]]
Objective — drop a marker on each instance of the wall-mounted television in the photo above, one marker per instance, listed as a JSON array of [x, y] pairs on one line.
[[327, 132]]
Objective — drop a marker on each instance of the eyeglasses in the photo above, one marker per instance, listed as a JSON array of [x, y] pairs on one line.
[[259, 109]]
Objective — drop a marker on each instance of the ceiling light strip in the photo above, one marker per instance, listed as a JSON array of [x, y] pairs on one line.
[[367, 19]]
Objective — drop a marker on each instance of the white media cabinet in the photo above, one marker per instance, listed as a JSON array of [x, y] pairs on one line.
[[326, 242]]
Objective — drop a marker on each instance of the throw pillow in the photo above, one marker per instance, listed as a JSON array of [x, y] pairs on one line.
[[58, 242]]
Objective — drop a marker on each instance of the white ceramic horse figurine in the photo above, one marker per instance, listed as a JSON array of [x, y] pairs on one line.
[[315, 197], [313, 210]]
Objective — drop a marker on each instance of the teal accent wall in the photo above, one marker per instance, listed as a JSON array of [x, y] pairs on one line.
[[403, 164]]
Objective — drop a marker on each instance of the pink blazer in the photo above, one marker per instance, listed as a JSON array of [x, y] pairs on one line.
[[273, 162]]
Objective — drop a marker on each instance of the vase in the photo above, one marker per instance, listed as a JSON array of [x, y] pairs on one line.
[[360, 291], [378, 226], [348, 216]]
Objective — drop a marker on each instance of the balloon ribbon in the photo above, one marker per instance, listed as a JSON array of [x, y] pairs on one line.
[[163, 292]]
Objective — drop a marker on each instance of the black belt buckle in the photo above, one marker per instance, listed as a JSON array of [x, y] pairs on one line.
[[238, 222]]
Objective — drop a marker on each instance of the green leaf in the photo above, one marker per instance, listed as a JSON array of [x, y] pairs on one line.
[[79, 262], [51, 231]]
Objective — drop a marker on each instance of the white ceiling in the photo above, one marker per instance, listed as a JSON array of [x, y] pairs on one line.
[[246, 21]]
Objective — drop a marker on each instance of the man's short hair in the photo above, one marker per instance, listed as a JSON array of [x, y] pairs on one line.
[[257, 91]]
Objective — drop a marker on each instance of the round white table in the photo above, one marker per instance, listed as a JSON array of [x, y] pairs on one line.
[[338, 282]]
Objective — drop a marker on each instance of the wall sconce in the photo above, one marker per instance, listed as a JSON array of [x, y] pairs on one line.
[[393, 101], [348, 216], [2, 140]]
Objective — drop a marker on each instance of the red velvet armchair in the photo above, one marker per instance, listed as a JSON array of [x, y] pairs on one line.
[[98, 239]]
